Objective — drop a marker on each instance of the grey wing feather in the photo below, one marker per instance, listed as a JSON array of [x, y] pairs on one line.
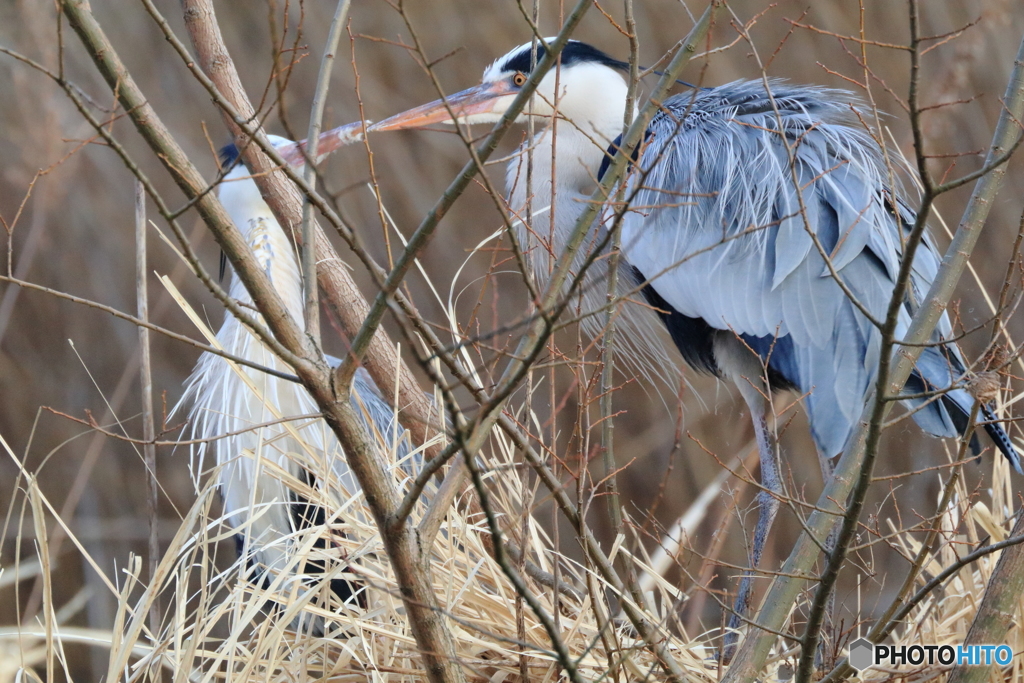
[[723, 238], [378, 415]]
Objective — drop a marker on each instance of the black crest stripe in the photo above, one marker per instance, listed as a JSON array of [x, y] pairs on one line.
[[574, 52]]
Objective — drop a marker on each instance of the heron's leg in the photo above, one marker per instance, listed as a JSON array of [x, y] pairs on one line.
[[768, 507], [823, 658]]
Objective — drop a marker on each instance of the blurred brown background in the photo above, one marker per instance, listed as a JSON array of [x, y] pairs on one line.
[[76, 232]]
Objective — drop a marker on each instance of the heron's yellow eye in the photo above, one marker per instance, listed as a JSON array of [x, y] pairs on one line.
[[519, 79]]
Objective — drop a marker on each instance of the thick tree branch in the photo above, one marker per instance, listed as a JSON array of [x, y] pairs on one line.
[[412, 571], [341, 293], [187, 176]]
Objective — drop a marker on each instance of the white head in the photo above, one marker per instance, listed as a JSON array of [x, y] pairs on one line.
[[590, 84]]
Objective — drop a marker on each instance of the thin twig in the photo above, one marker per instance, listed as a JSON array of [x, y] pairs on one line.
[[146, 380], [316, 116], [150, 326]]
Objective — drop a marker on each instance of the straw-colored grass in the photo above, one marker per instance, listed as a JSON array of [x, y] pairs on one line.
[[237, 625], [238, 629]]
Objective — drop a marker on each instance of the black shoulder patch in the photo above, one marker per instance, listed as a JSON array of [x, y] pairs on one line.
[[574, 52], [228, 157], [694, 338], [612, 149]]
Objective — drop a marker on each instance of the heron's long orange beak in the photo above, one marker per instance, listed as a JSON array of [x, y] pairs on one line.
[[467, 105]]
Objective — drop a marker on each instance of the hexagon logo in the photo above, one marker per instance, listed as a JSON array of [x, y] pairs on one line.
[[862, 653]]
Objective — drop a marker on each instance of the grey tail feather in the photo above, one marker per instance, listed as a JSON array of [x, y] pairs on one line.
[[1001, 439]]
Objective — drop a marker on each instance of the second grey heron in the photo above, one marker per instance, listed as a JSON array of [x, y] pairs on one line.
[[748, 204], [265, 431]]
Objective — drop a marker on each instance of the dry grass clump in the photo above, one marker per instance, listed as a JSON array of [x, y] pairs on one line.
[[944, 617], [241, 625]]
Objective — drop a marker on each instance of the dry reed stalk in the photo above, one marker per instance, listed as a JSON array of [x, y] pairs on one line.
[[239, 627]]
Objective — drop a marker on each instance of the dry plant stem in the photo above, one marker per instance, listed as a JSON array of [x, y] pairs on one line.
[[146, 380], [39, 522], [996, 613], [850, 470], [183, 442], [552, 304], [316, 116], [614, 505], [95, 447]]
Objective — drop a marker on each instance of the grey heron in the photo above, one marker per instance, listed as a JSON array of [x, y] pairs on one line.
[[264, 430], [721, 240]]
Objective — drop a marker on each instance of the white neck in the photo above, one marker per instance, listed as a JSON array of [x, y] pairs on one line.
[[573, 147], [577, 152], [270, 245]]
